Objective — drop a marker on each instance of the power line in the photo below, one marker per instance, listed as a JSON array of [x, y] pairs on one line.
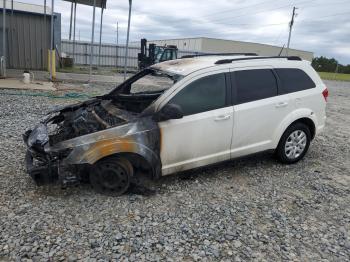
[[201, 22], [240, 8], [199, 32], [323, 4], [279, 36], [291, 4], [233, 10], [230, 10], [197, 21], [317, 20], [261, 11]]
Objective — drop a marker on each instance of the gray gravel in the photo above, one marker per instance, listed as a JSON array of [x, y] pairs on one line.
[[248, 209]]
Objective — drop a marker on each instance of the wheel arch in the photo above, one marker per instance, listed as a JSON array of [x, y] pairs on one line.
[[104, 149], [305, 116], [309, 123]]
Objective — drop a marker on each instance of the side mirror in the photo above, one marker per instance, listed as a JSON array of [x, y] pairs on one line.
[[169, 111]]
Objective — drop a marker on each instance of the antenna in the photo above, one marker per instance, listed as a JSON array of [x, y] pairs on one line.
[[281, 50]]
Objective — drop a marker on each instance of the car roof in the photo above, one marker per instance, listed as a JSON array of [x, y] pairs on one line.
[[186, 66]]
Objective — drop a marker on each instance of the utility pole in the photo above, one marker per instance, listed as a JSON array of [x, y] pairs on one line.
[[71, 20], [99, 48], [4, 39], [74, 25], [117, 47], [92, 39], [127, 40], [290, 28], [117, 33], [45, 34], [52, 41]]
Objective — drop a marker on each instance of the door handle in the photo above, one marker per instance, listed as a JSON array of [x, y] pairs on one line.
[[281, 104], [222, 118]]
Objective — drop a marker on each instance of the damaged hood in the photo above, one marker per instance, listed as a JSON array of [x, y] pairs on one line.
[[119, 132], [68, 123]]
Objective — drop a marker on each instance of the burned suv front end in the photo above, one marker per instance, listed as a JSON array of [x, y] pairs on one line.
[[69, 142], [47, 154]]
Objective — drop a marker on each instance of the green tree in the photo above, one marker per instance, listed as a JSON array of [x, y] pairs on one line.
[[324, 64], [344, 69]]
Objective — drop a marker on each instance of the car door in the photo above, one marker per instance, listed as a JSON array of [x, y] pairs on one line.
[[258, 109], [203, 135]]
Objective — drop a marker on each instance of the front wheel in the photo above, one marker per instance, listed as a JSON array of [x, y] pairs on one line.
[[294, 143], [111, 176]]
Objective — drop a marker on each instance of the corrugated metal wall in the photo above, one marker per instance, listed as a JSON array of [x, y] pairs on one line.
[[111, 55], [28, 39]]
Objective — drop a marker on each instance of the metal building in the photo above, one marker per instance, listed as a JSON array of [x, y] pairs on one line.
[[213, 45], [28, 35]]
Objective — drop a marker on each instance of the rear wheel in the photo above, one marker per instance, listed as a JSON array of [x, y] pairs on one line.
[[294, 143], [111, 176]]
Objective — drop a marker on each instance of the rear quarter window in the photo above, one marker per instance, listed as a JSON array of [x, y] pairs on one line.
[[293, 80]]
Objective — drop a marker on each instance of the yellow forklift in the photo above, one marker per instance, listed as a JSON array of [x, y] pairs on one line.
[[156, 54]]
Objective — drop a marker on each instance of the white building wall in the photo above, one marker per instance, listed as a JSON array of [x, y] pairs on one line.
[[188, 44], [211, 45]]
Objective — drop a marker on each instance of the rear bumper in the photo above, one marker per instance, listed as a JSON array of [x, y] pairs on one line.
[[321, 125]]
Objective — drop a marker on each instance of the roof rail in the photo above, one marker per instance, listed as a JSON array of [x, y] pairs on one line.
[[219, 54], [227, 61]]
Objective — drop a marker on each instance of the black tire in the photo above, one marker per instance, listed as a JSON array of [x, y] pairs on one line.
[[111, 176], [280, 151]]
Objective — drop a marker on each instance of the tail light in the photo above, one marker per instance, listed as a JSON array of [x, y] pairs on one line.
[[325, 94]]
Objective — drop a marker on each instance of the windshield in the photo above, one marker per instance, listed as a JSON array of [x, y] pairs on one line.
[[141, 90], [152, 82], [147, 81]]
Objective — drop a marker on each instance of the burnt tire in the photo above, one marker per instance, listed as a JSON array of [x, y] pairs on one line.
[[111, 176], [294, 143]]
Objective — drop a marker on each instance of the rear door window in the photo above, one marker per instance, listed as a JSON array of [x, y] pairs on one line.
[[205, 94], [252, 85], [293, 80]]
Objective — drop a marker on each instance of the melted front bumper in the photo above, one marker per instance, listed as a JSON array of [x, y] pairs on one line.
[[40, 166], [45, 173]]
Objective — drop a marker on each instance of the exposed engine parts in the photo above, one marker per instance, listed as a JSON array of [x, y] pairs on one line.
[[84, 120]]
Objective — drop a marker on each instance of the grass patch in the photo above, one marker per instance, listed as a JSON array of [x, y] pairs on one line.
[[332, 76]]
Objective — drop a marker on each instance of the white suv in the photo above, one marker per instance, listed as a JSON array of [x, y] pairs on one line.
[[214, 108]]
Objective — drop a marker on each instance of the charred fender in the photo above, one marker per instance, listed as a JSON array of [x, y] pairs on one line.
[[141, 137]]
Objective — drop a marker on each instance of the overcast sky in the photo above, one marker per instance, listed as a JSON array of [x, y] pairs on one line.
[[321, 26]]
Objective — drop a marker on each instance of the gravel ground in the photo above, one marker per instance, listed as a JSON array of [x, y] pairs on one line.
[[248, 209]]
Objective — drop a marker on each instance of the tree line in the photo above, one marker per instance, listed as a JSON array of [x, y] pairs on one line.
[[324, 64]]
